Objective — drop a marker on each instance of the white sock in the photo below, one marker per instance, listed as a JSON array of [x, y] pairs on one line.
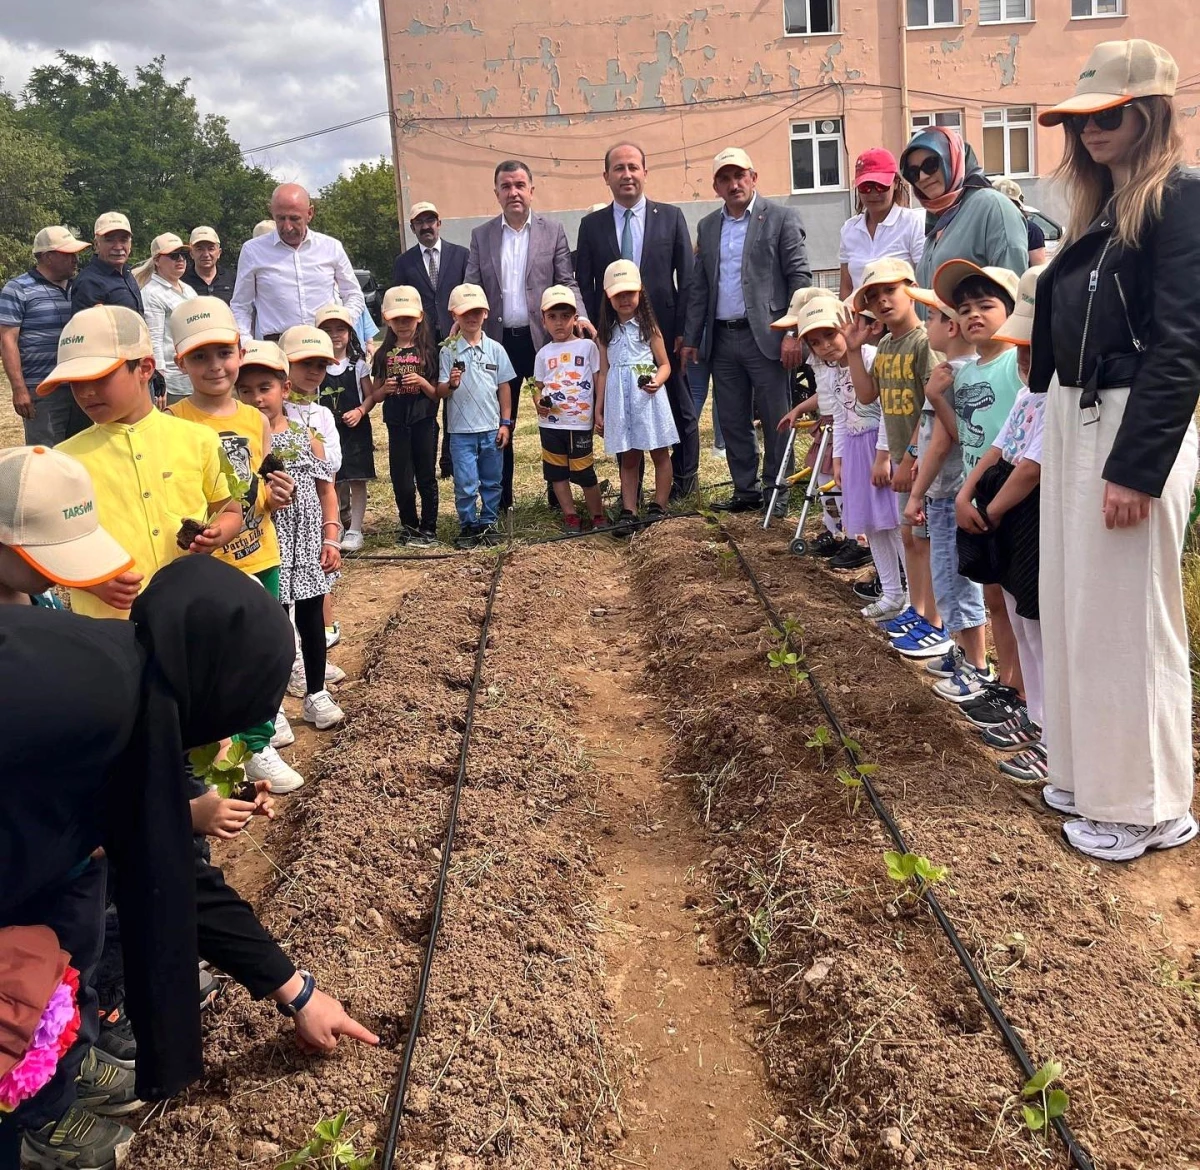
[[887, 549]]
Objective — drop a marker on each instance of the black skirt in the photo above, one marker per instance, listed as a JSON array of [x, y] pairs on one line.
[[1009, 556], [341, 393]]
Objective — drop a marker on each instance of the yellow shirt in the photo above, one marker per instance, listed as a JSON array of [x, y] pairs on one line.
[[148, 477], [256, 547]]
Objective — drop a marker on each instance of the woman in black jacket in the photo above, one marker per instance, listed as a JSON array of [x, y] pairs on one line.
[[1116, 345]]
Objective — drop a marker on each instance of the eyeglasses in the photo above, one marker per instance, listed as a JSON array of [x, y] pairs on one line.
[[177, 256], [912, 174], [1104, 119], [873, 188]]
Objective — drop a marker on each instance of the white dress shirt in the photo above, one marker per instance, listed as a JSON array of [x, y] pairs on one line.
[[278, 286], [437, 251], [637, 227], [901, 233], [514, 257], [159, 299]]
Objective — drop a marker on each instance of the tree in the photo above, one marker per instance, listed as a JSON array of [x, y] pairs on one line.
[[31, 190], [141, 147], [360, 210]]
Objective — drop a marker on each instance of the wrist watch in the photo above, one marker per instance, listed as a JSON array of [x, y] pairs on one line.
[[507, 422], [912, 450], [297, 1005]]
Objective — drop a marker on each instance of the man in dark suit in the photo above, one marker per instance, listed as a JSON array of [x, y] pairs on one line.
[[515, 258], [731, 306], [656, 238], [433, 267]]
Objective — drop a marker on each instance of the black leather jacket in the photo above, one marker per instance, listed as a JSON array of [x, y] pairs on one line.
[[1109, 316]]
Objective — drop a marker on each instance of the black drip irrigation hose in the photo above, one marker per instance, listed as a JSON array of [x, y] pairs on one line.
[[414, 1026], [1079, 1157]]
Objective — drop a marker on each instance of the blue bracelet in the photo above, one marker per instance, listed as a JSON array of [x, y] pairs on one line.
[[297, 1005]]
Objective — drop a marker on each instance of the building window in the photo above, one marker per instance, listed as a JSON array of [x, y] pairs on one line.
[[999, 11], [952, 119], [830, 278], [1081, 9], [929, 13], [1008, 141], [803, 17], [817, 155]]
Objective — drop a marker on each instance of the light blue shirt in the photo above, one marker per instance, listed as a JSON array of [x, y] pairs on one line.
[[637, 227], [475, 407], [731, 303], [984, 393]]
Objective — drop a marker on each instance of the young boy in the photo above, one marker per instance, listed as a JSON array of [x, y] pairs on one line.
[[475, 376], [567, 398], [903, 364], [984, 393], [150, 471], [963, 670], [209, 352]]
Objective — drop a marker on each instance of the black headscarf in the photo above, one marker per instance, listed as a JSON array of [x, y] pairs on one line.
[[218, 654]]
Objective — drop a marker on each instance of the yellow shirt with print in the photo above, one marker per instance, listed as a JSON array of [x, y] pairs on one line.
[[148, 477], [256, 547], [902, 367]]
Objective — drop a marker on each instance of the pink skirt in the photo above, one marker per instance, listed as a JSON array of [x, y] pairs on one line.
[[865, 508]]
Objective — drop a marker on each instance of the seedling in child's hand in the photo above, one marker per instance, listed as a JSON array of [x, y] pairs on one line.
[[645, 375], [226, 774], [328, 1150], [188, 531], [270, 464], [1049, 1103]]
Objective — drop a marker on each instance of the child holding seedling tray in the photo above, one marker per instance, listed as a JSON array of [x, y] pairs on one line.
[[309, 548]]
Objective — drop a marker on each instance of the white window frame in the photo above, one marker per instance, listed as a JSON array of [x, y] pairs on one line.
[[1027, 18], [811, 133], [1007, 124], [954, 23], [830, 278], [834, 31], [933, 116], [1094, 15]]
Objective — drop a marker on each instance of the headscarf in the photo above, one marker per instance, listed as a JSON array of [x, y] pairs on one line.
[[219, 650], [960, 171]]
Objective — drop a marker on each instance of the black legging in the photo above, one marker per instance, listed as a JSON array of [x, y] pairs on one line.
[[412, 455], [310, 625]]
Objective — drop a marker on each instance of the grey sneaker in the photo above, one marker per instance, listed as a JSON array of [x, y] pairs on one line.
[[104, 1087], [78, 1141]]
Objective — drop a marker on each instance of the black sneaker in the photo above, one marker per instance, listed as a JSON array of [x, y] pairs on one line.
[[487, 536], [870, 590], [78, 1141], [423, 540], [851, 555], [401, 537], [116, 1037], [626, 524], [996, 705], [739, 504], [105, 1087], [467, 535], [827, 545], [655, 512]]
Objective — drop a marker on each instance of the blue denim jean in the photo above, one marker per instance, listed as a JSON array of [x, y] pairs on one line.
[[699, 374], [959, 601], [478, 467]]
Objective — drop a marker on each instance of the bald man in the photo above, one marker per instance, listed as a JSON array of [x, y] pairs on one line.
[[285, 275]]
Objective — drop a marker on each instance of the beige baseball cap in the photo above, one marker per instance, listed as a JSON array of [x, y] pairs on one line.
[[1116, 72], [48, 517], [202, 321], [265, 353], [622, 276], [204, 235], [1011, 188], [558, 294], [333, 312], [262, 227], [951, 274], [930, 299], [465, 297], [1018, 329], [301, 342], [112, 221], [822, 313], [885, 270], [402, 300], [421, 209], [165, 244], [57, 239], [800, 298], [732, 156], [95, 342]]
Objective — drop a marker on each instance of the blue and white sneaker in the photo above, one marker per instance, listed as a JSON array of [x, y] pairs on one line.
[[965, 684], [925, 641], [902, 623], [946, 666]]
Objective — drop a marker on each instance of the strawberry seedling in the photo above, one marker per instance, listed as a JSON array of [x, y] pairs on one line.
[[271, 462], [227, 773], [645, 374], [914, 872], [1044, 1103], [329, 1150], [851, 784], [820, 740], [188, 531], [787, 661]]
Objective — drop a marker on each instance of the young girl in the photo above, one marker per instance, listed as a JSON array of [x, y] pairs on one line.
[[629, 412], [346, 391], [404, 378], [309, 547]]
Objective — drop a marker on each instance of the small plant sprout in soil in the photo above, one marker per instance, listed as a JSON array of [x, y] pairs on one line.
[[788, 661], [294, 439], [1043, 1103], [911, 870], [328, 1150], [645, 374], [852, 782], [271, 462], [820, 740], [225, 773], [188, 531]]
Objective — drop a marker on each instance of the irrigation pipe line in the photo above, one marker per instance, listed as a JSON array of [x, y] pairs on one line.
[[414, 1026], [1079, 1157]]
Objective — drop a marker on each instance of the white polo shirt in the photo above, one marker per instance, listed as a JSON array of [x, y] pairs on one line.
[[901, 234]]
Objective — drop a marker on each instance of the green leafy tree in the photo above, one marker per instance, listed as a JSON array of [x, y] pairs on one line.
[[32, 170], [360, 210]]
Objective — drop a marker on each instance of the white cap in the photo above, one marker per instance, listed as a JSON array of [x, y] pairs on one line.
[[732, 156], [402, 300], [57, 239], [201, 321], [558, 294], [95, 342], [205, 235], [301, 342], [622, 276], [112, 221], [465, 297], [265, 353], [421, 209], [262, 227]]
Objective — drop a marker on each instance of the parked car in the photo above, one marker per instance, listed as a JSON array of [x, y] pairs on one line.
[[371, 292], [1050, 229]]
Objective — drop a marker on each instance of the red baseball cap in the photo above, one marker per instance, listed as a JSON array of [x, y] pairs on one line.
[[876, 166]]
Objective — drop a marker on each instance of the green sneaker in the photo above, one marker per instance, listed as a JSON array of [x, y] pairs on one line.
[[105, 1087], [80, 1141]]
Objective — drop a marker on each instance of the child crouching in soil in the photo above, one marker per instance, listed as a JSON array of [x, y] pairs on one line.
[[309, 547]]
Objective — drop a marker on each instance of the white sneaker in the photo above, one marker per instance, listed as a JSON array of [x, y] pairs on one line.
[[333, 635], [270, 765], [284, 736], [321, 710], [1061, 800], [296, 684], [333, 674], [352, 541], [1111, 841], [885, 609], [717, 452]]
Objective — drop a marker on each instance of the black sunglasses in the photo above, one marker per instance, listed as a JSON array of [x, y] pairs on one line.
[[912, 174], [177, 255], [1104, 119]]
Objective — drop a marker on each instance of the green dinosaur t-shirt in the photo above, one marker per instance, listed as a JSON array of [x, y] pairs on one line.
[[984, 393]]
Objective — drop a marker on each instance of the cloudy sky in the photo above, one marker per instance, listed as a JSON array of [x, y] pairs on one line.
[[274, 69]]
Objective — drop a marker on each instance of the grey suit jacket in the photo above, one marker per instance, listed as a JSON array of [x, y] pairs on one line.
[[774, 265], [548, 263]]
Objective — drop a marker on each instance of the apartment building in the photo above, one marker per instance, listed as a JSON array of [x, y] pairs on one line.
[[803, 85]]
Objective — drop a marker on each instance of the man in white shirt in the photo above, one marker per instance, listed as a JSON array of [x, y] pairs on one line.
[[284, 276]]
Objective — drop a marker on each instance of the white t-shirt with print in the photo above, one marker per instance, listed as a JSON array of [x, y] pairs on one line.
[[1021, 435], [567, 371]]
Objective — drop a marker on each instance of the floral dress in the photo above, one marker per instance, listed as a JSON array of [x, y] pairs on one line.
[[634, 420], [299, 524]]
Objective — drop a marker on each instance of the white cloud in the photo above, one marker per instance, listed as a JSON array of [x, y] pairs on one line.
[[274, 70]]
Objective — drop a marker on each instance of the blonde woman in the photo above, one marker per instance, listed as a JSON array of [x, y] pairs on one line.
[[161, 282], [1121, 367]]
